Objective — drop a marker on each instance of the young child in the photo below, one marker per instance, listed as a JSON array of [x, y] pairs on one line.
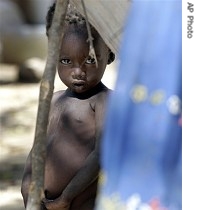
[[75, 120]]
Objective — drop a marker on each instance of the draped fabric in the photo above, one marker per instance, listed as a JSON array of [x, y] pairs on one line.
[[141, 152]]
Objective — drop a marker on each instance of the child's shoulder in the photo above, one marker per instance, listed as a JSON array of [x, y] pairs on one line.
[[101, 95], [57, 95]]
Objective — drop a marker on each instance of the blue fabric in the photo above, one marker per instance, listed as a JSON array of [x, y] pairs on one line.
[[142, 142]]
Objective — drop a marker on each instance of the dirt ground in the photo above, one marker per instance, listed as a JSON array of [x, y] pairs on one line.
[[18, 108]]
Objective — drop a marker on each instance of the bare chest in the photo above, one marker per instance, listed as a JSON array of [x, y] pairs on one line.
[[73, 120]]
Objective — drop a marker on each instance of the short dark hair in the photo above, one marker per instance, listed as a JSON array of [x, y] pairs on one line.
[[72, 17]]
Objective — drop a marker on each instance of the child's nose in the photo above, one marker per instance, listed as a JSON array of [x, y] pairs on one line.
[[78, 73]]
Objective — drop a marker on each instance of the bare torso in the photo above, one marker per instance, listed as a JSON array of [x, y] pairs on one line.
[[71, 138]]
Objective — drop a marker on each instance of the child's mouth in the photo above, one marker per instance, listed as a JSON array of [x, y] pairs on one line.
[[79, 83]]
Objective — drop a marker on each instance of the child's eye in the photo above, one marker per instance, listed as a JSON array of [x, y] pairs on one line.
[[65, 61], [90, 60]]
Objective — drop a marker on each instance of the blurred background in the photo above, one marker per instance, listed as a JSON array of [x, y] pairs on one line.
[[23, 50], [23, 42]]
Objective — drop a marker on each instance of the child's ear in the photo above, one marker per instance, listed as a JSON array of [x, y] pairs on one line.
[[111, 57]]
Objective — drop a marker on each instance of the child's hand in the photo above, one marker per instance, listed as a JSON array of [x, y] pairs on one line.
[[57, 204]]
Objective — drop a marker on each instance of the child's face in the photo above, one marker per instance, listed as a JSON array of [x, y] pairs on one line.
[[76, 70]]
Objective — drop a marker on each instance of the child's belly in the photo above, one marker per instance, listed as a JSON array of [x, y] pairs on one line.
[[64, 159]]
